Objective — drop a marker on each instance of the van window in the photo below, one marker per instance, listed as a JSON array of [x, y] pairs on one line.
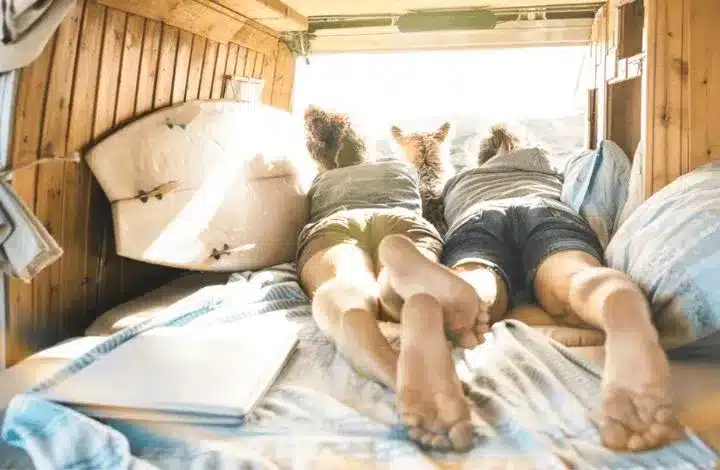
[[536, 91]]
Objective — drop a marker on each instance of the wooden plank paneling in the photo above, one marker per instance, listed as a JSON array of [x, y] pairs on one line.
[[182, 66], [682, 60], [233, 50], [78, 264], [196, 68], [241, 61], [148, 67], [257, 68], [218, 80], [249, 64], [130, 69], [268, 76], [107, 266], [208, 71], [101, 70], [29, 111], [284, 79], [49, 191], [166, 66]]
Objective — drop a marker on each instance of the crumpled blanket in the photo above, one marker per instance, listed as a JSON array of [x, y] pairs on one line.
[[532, 399], [19, 15]]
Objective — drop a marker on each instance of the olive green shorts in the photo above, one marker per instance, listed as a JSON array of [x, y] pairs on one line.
[[365, 228]]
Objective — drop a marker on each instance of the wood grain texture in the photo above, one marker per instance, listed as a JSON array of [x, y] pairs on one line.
[[166, 66], [23, 320], [77, 265], [232, 56], [683, 88], [101, 70], [182, 67], [48, 194], [196, 68], [208, 71], [218, 79], [144, 101]]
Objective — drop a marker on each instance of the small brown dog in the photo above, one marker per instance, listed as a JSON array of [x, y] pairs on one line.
[[331, 139], [500, 142], [424, 151]]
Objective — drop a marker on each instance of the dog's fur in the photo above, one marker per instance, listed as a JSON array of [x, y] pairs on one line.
[[331, 139], [500, 142], [424, 150]]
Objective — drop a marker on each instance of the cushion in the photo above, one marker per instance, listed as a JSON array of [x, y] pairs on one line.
[[670, 246], [207, 185], [140, 309], [596, 186]]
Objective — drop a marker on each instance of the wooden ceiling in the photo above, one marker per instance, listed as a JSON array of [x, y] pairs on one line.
[[311, 8]]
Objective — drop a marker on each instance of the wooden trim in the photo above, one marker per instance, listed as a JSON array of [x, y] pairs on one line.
[[509, 34], [250, 23]]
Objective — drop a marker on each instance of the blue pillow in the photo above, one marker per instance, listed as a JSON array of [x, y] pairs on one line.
[[596, 186], [670, 245]]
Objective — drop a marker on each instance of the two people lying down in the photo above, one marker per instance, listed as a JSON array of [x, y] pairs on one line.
[[369, 255]]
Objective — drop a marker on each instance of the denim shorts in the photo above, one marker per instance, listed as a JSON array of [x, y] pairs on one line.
[[514, 236]]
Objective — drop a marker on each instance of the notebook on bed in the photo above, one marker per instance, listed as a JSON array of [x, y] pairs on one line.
[[210, 375]]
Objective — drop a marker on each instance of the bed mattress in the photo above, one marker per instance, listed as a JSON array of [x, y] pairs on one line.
[[319, 377]]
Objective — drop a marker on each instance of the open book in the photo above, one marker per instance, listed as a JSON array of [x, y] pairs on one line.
[[211, 375]]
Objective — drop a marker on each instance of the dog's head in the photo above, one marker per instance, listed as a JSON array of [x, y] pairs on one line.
[[422, 148]]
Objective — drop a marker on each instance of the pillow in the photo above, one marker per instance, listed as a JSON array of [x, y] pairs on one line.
[[670, 245], [596, 186]]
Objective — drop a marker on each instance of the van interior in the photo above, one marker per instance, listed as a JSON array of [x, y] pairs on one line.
[[155, 153]]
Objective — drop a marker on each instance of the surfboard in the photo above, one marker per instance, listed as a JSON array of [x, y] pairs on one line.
[[207, 185]]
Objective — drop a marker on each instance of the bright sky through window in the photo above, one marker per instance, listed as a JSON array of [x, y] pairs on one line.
[[534, 89], [507, 83]]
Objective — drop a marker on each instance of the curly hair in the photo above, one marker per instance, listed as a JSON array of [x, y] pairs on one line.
[[332, 140], [499, 140]]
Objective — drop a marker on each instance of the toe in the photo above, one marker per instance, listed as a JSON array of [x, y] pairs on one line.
[[614, 435], [618, 406], [467, 339], [637, 443], [411, 420], [427, 439], [461, 435], [440, 443], [416, 434], [450, 410]]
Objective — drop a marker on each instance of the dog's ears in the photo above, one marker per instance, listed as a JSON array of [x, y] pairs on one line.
[[397, 134], [442, 133]]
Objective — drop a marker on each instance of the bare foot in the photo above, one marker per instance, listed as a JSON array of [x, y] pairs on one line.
[[430, 395], [636, 412], [466, 321]]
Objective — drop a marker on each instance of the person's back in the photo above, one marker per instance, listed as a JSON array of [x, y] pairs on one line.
[[524, 173], [367, 186]]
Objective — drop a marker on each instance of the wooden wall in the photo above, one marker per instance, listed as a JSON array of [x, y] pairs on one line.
[[102, 69], [683, 100]]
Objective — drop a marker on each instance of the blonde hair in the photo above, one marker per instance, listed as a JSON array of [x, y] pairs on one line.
[[500, 141]]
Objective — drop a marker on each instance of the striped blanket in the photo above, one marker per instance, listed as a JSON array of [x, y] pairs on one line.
[[531, 397]]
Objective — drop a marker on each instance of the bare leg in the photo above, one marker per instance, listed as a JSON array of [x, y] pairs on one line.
[[391, 302], [490, 288], [410, 272], [430, 396], [345, 307], [636, 411]]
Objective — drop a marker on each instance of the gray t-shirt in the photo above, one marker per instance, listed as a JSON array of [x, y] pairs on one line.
[[376, 185], [524, 173]]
